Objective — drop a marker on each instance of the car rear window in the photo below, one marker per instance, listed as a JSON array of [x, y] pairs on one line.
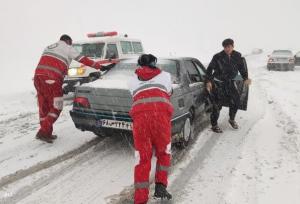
[[127, 69], [282, 52]]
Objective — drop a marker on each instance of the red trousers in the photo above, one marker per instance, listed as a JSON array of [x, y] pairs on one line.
[[151, 130], [50, 101]]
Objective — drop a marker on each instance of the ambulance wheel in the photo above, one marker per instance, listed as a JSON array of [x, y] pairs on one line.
[[186, 134]]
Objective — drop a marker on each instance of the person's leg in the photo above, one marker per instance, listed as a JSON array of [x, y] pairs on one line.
[[143, 155], [215, 114], [54, 96], [41, 100], [233, 105], [161, 139], [232, 111]]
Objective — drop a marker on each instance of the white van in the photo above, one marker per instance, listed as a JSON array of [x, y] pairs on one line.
[[101, 46]]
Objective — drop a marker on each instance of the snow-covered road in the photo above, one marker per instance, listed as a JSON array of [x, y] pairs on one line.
[[259, 163]]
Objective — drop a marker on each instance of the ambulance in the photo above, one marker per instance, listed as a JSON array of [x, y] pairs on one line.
[[106, 47]]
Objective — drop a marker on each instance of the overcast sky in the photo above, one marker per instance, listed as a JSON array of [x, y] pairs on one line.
[[166, 27]]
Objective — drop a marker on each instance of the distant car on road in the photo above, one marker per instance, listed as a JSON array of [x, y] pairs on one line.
[[297, 59], [282, 60], [103, 106]]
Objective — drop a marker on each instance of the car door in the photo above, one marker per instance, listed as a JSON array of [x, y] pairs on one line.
[[196, 85], [203, 93], [242, 89]]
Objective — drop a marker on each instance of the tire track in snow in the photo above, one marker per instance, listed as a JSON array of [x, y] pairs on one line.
[[58, 175], [4, 181]]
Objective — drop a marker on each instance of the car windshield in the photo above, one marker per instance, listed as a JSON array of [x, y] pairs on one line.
[[90, 50], [282, 52], [125, 70]]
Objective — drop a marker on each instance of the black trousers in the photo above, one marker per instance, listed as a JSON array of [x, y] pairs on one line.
[[224, 94]]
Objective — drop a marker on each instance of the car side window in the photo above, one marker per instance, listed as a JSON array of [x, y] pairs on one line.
[[112, 51], [201, 69], [193, 72], [126, 47]]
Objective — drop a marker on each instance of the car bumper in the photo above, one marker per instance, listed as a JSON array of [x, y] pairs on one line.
[[280, 66], [297, 61], [70, 84], [89, 121]]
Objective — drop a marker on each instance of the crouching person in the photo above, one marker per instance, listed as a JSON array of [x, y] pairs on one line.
[[151, 112]]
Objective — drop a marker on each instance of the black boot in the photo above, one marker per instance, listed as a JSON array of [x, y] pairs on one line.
[[161, 192], [216, 129], [233, 124]]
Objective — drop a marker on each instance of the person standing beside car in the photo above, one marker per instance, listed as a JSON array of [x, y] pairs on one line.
[[220, 84], [48, 81], [151, 113]]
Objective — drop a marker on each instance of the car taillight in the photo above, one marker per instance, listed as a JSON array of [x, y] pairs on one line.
[[271, 60], [102, 34], [81, 102]]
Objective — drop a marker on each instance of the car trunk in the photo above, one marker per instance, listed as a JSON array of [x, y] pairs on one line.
[[106, 99], [281, 58]]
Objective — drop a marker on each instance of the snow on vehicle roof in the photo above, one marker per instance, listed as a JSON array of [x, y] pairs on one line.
[[106, 39], [282, 52]]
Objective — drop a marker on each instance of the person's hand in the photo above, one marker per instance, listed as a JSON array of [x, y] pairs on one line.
[[247, 82], [209, 86], [97, 66], [107, 67]]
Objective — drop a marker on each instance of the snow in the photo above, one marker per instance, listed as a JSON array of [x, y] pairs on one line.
[[109, 83], [254, 164], [259, 163]]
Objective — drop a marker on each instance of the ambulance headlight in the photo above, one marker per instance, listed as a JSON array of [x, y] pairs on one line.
[[80, 71], [76, 71], [72, 72]]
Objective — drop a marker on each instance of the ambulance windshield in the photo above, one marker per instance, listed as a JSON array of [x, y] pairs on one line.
[[90, 50]]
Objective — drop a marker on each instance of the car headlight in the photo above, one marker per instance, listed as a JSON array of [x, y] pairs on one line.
[[76, 71]]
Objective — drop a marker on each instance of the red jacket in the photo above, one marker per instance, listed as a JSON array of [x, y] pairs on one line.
[[151, 90], [56, 60]]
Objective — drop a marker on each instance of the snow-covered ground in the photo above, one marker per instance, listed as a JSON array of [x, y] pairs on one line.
[[259, 163]]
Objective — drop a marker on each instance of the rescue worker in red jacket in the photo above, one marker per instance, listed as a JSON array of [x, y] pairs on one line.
[[151, 112], [48, 81]]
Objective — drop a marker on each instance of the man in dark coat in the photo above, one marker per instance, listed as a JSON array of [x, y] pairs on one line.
[[223, 68]]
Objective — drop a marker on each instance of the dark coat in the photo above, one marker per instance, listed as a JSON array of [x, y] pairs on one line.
[[226, 68], [221, 72]]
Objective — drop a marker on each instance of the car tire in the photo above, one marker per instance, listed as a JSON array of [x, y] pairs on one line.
[[100, 134], [186, 134]]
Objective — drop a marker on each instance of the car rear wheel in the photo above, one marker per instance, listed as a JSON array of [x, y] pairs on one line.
[[186, 133], [99, 134]]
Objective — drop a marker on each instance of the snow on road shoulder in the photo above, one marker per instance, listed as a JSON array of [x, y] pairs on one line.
[[19, 123]]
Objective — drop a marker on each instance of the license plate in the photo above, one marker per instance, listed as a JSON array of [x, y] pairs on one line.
[[115, 124]]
